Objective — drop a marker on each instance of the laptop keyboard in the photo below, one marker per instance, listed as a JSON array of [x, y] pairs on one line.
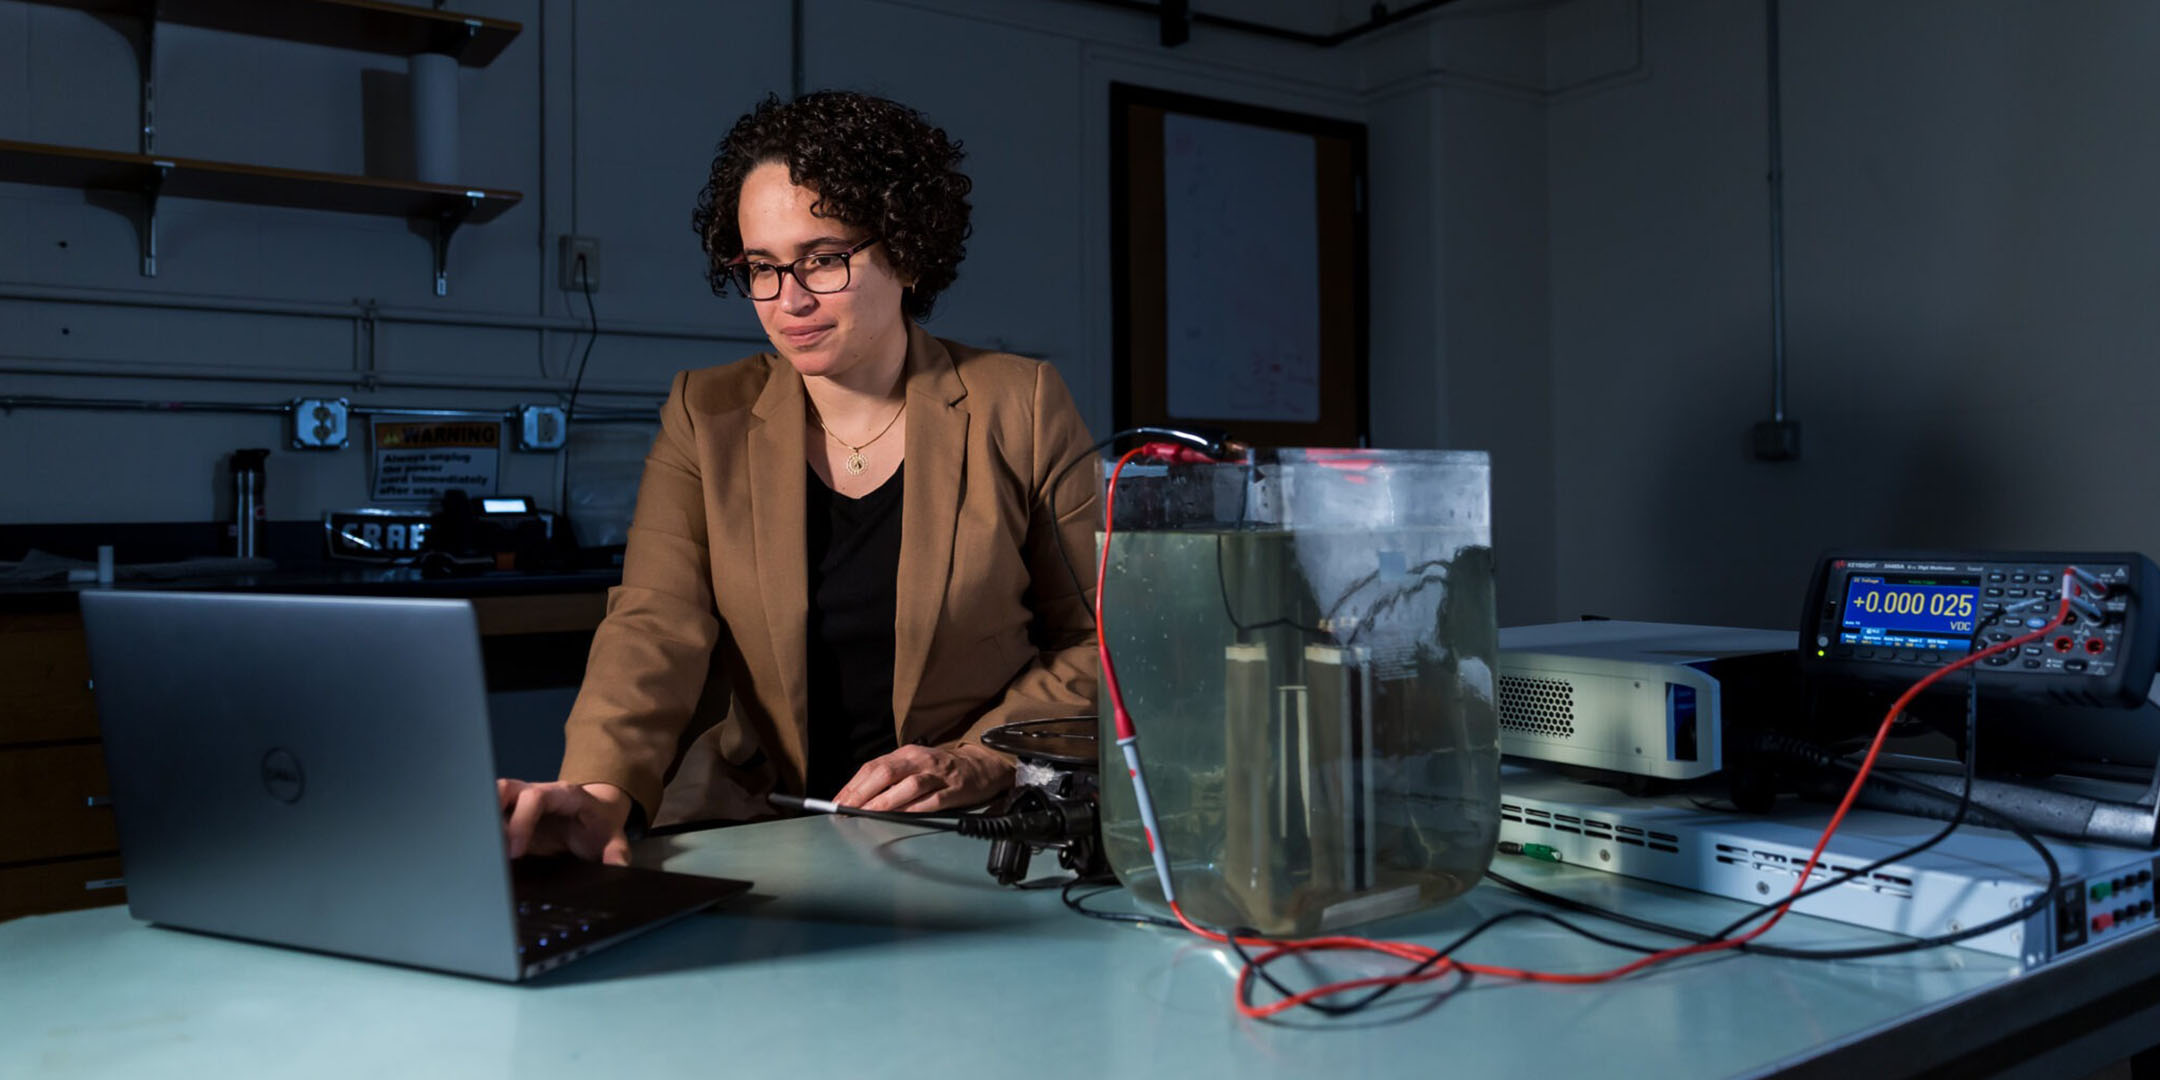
[[566, 906], [547, 927]]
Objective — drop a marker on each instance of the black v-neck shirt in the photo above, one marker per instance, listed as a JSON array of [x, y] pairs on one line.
[[854, 550]]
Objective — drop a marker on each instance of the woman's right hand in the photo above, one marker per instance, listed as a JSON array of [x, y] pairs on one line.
[[585, 820]]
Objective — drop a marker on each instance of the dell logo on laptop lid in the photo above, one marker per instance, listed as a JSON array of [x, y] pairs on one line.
[[282, 776]]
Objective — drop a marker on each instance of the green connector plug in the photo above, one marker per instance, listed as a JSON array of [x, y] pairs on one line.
[[1534, 851]]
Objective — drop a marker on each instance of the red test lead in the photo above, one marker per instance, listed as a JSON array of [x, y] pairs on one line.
[[1430, 963]]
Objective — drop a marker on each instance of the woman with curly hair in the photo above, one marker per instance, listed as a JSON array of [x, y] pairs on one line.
[[851, 555]]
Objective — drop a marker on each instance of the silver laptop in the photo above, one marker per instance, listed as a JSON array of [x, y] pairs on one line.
[[316, 772]]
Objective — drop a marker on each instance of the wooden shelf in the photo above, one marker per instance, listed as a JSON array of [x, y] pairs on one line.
[[187, 178], [370, 25], [154, 176]]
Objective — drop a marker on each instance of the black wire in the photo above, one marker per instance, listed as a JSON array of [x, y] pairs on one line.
[[2037, 904], [1049, 493], [1058, 477], [1971, 756], [2031, 908], [1422, 966], [1049, 496], [1222, 580], [1033, 886], [1586, 908], [1965, 807], [1079, 905], [570, 411]]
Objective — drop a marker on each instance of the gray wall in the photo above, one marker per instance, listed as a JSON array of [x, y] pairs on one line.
[[1459, 261], [556, 117], [1970, 252], [607, 123], [1569, 253]]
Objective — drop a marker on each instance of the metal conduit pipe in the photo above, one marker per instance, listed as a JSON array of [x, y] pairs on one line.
[[1382, 17], [307, 377], [1778, 438], [12, 402], [1773, 96], [362, 310]]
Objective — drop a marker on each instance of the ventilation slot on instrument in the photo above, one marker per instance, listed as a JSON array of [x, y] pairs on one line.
[[1537, 706], [1633, 835]]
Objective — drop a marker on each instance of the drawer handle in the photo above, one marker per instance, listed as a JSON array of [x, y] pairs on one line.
[[103, 883], [99, 800]]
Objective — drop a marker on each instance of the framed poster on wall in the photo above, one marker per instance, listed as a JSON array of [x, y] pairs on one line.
[[1238, 281]]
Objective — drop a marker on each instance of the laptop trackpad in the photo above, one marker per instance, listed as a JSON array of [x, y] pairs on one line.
[[628, 893], [567, 903]]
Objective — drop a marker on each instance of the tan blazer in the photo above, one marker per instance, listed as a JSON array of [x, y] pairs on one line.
[[993, 622]]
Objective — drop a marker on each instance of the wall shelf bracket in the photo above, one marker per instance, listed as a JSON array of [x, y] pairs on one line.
[[445, 225]]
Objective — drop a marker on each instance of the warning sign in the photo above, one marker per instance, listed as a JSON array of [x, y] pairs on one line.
[[417, 459]]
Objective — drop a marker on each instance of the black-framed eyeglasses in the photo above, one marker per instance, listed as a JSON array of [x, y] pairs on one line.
[[818, 272]]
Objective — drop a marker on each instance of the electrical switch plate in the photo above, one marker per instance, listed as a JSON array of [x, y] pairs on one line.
[[580, 263], [542, 427], [320, 423]]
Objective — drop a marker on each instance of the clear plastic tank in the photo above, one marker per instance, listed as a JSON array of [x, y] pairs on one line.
[[1306, 644]]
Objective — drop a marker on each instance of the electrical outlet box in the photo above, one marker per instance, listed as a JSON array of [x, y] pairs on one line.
[[542, 427], [580, 264], [320, 423], [1776, 440]]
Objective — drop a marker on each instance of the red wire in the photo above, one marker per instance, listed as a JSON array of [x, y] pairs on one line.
[[1422, 954], [1102, 569], [1443, 966]]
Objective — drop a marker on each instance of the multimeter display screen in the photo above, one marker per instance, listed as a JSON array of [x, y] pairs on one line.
[[1911, 611]]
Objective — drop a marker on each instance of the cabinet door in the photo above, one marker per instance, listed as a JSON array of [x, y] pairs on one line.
[[45, 679], [60, 886], [53, 803]]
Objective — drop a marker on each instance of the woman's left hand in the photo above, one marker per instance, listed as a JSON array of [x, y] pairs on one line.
[[916, 779]]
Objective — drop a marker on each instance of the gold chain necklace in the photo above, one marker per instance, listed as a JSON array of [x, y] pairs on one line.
[[855, 463]]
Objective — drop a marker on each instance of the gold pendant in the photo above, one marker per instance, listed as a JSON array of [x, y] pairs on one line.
[[854, 464]]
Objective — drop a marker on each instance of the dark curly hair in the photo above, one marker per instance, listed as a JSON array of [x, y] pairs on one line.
[[875, 165]]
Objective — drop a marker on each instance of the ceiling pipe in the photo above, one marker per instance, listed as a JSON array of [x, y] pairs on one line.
[[1177, 19]]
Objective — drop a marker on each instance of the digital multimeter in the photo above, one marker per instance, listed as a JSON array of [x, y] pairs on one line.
[[1878, 617]]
